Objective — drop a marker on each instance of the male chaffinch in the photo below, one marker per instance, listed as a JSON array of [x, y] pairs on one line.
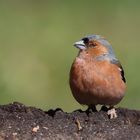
[[96, 75]]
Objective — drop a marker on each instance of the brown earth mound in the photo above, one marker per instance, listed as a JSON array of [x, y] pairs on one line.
[[18, 122]]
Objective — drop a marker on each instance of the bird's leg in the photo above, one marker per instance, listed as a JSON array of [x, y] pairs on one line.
[[104, 108], [112, 112], [92, 108]]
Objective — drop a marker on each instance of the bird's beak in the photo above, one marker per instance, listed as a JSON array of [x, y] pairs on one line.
[[80, 45]]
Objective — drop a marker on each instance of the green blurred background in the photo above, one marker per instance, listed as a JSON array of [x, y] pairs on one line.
[[36, 52]]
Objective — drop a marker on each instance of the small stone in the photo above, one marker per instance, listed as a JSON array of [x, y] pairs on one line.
[[35, 129]]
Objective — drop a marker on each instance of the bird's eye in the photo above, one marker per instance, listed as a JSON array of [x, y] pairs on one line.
[[86, 40]]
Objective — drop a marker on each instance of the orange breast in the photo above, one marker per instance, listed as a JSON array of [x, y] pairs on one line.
[[96, 82]]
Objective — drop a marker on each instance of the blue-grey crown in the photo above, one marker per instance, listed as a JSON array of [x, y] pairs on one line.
[[103, 41]]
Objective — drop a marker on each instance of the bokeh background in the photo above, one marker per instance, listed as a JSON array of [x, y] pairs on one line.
[[36, 52]]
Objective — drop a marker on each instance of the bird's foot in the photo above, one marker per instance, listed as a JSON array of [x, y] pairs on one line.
[[112, 113], [91, 108]]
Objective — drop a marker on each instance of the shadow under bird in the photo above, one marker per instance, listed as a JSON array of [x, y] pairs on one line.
[[96, 75]]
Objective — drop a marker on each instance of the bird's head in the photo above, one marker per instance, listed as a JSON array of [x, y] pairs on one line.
[[95, 44]]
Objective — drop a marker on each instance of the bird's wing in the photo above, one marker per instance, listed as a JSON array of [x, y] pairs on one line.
[[116, 62]]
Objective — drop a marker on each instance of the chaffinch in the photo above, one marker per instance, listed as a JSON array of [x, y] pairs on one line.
[[96, 75]]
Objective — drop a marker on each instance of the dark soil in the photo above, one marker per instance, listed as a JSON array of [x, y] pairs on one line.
[[18, 122]]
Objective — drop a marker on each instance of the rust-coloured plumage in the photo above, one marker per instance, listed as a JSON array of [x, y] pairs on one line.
[[96, 75]]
